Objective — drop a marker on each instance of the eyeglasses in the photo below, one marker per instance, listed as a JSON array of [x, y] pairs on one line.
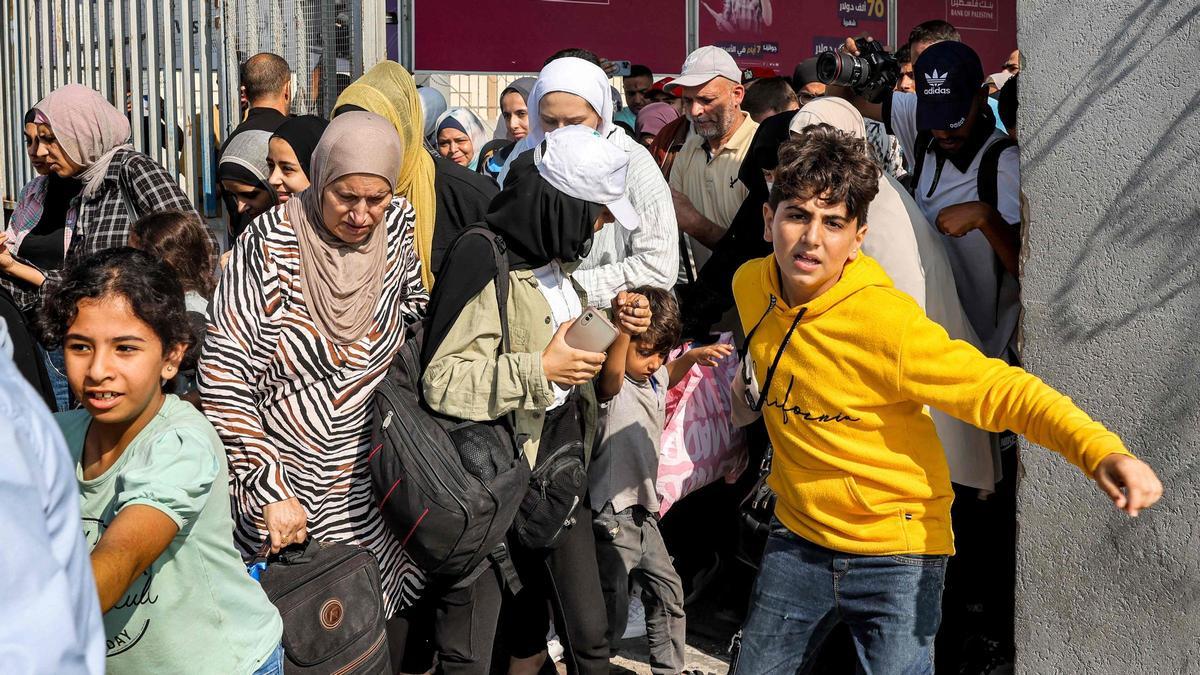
[[805, 97]]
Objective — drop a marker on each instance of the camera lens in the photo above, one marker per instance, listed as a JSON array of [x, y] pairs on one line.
[[841, 69]]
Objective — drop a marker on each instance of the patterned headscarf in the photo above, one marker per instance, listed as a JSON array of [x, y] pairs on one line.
[[89, 129]]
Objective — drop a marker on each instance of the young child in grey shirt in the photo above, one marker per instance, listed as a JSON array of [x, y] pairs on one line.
[[632, 388]]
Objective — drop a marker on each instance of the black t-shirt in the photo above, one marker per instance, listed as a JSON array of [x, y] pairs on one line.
[[43, 245]]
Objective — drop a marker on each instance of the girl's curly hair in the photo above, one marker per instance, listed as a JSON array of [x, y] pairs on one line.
[[150, 286]]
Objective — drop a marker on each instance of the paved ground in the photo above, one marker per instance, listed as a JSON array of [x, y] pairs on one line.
[[709, 659]]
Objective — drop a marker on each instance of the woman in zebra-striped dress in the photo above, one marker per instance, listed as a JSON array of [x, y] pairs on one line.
[[309, 313]]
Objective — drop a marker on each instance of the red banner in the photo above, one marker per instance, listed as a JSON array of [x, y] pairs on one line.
[[988, 26], [516, 36], [781, 33]]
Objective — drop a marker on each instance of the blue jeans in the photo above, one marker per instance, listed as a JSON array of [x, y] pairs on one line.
[[891, 604], [274, 663], [56, 368]]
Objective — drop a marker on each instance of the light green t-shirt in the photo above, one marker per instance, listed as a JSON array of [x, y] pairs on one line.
[[195, 610]]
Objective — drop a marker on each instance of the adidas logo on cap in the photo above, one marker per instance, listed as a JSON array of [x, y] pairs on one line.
[[936, 79]]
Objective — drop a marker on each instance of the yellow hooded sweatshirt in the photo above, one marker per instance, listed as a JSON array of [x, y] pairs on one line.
[[858, 467]]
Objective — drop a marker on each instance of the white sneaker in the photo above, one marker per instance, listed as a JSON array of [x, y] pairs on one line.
[[635, 627]]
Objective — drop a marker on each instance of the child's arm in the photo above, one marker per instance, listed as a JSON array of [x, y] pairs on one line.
[[631, 314], [707, 356], [134, 540], [612, 375], [953, 376]]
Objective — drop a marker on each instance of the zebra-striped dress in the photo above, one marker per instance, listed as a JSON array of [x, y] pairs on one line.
[[291, 406]]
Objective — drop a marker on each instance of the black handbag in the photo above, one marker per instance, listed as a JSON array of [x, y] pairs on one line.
[[558, 483], [331, 601]]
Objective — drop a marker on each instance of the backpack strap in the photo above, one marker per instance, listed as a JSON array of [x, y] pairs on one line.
[[989, 170], [920, 149], [500, 556]]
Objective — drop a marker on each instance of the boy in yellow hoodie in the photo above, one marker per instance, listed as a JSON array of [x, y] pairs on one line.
[[846, 365]]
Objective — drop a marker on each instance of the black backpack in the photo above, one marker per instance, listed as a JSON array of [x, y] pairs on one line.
[[448, 488], [985, 180]]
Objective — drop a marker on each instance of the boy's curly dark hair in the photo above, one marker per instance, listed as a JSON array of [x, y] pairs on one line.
[[150, 286], [180, 240], [665, 325], [825, 163]]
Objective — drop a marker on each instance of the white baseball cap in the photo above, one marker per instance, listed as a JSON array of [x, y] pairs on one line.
[[703, 65], [581, 163]]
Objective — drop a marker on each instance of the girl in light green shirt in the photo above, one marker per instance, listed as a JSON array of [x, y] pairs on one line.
[[153, 479]]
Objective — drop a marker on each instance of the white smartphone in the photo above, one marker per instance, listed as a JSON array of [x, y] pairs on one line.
[[591, 332], [623, 68]]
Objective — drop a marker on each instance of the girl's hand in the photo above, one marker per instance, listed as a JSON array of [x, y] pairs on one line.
[[710, 355], [631, 313], [567, 366]]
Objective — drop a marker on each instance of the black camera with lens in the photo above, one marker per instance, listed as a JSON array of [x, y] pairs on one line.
[[871, 74]]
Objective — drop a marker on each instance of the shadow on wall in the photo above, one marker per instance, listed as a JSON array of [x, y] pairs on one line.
[[1144, 241]]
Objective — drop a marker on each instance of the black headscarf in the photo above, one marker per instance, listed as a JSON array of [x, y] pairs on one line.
[[302, 133], [704, 302], [539, 225], [763, 155]]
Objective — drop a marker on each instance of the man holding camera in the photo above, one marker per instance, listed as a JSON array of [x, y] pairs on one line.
[[966, 180]]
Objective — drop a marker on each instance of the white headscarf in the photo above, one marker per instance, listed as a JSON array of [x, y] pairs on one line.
[[573, 76], [470, 124]]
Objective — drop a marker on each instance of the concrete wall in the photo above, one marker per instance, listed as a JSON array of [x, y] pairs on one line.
[[1110, 136]]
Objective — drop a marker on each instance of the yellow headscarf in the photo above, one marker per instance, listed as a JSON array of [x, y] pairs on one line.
[[388, 90]]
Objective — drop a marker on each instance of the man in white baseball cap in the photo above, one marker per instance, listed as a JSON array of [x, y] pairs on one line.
[[704, 182]]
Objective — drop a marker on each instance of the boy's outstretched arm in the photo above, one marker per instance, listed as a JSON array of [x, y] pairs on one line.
[[954, 377], [1129, 482]]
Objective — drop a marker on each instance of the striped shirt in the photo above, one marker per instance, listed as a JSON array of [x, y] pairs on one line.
[[292, 407], [622, 259]]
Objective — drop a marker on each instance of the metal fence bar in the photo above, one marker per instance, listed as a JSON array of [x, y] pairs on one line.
[[8, 152], [135, 72], [60, 45], [187, 74], [121, 82], [207, 174], [103, 73], [71, 43], [44, 42], [87, 43], [166, 44], [154, 144]]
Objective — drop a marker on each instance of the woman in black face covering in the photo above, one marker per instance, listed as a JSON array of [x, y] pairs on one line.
[[547, 214]]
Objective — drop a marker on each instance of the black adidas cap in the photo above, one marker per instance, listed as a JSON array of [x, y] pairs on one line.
[[949, 76]]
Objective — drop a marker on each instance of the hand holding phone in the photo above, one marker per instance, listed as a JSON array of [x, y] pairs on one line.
[[591, 332], [566, 365]]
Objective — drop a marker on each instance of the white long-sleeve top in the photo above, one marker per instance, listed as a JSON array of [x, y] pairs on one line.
[[622, 259]]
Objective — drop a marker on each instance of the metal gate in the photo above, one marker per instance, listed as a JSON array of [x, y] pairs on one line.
[[172, 65], [159, 60]]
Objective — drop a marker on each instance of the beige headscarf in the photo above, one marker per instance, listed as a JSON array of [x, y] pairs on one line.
[[89, 129], [388, 89], [342, 282]]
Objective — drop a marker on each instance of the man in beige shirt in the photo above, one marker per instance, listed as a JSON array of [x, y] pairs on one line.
[[704, 179]]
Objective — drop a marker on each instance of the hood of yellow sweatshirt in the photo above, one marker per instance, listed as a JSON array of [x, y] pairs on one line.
[[863, 272]]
